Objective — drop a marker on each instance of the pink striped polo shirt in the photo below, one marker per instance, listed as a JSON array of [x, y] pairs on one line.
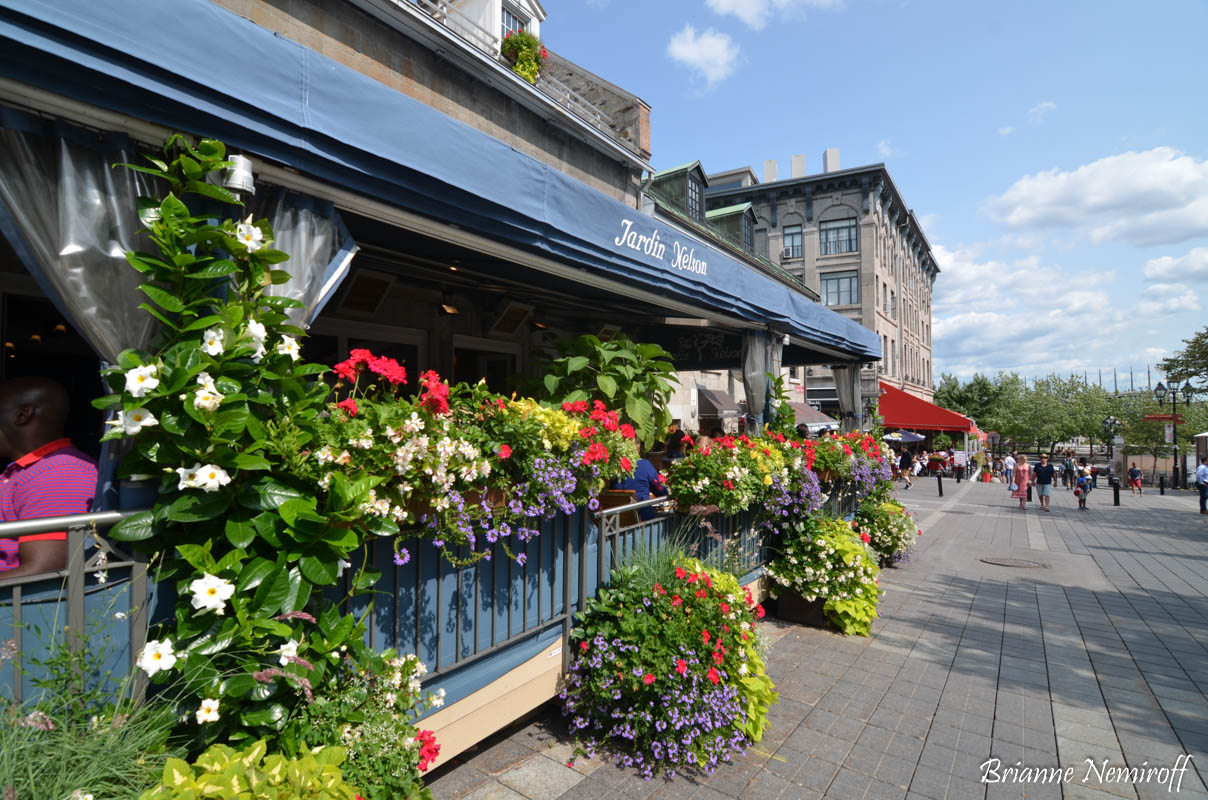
[[53, 480]]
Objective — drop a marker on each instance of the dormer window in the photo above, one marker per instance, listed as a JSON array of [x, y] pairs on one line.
[[513, 22], [748, 234], [694, 205]]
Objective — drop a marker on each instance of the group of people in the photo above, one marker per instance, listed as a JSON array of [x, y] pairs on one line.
[[1019, 476]]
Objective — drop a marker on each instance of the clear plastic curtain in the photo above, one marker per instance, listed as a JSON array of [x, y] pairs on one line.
[[847, 383], [318, 243], [70, 216], [756, 363]]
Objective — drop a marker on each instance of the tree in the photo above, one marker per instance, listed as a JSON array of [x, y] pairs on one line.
[[1189, 363]]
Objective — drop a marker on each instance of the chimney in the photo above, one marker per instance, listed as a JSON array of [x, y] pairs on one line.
[[830, 159], [799, 166], [769, 170]]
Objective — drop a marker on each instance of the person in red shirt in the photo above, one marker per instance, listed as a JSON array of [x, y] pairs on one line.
[[46, 477]]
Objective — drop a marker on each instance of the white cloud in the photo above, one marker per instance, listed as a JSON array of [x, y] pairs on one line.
[[1006, 130], [757, 13], [1193, 266], [1187, 300], [885, 149], [1158, 196], [1037, 112], [713, 55]]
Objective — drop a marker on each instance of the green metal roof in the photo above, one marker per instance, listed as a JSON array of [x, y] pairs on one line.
[[727, 211], [663, 173]]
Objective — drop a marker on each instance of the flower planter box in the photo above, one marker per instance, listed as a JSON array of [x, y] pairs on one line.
[[792, 607]]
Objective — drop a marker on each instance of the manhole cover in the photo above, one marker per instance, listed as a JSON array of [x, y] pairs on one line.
[[1011, 562]]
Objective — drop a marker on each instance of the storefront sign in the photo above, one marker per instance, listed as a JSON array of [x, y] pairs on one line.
[[681, 256]]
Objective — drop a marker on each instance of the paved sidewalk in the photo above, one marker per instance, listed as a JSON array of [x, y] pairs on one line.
[[1101, 653]]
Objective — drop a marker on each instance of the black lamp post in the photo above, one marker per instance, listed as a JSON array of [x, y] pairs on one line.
[[1110, 425], [993, 438], [1159, 393]]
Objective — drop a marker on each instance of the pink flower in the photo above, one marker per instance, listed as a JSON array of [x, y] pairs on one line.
[[759, 612], [349, 405], [647, 679], [864, 537], [583, 646], [505, 451]]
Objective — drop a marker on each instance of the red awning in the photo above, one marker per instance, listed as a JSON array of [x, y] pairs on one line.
[[901, 410]]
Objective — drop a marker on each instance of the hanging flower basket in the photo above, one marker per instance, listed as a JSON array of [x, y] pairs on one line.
[[525, 53]]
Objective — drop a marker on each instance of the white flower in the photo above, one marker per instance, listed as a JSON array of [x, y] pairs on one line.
[[210, 593], [288, 650], [256, 331], [413, 424], [208, 711], [133, 422], [101, 575], [211, 342], [141, 380], [249, 236], [207, 398], [342, 565], [157, 656], [120, 615], [80, 794], [211, 478], [288, 346], [390, 698], [259, 354], [188, 476], [438, 699]]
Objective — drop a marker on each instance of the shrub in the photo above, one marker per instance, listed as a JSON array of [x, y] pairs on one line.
[[224, 773], [825, 559], [668, 677], [526, 52], [889, 526]]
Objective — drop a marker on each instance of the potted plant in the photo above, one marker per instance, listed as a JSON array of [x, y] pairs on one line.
[[526, 53]]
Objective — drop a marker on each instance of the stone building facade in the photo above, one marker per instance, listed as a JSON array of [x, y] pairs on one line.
[[849, 235]]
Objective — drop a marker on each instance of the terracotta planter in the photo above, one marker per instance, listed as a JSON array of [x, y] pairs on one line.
[[792, 607]]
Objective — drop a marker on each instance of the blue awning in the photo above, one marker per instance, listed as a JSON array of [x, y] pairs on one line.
[[192, 65]]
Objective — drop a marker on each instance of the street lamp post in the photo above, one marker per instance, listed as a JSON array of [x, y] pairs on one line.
[[1159, 393], [1110, 426]]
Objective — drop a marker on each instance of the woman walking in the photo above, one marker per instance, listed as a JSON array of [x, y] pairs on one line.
[[1019, 481]]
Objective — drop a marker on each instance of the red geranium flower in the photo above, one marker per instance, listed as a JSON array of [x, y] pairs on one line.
[[583, 646], [658, 587], [680, 572], [725, 608], [718, 658], [348, 405], [701, 593], [647, 679], [705, 635], [677, 600], [864, 537], [681, 666], [627, 431], [505, 451], [759, 612], [713, 675], [626, 464]]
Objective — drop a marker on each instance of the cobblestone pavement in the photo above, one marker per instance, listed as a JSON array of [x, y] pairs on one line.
[[1101, 653]]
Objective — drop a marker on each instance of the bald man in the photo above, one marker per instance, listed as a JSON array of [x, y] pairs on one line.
[[46, 476]]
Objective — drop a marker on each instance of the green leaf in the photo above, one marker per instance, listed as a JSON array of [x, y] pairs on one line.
[[279, 276], [252, 461], [158, 315], [197, 556], [310, 369], [576, 363], [322, 572], [162, 297], [297, 507], [177, 774], [135, 528], [576, 396], [239, 532], [198, 507], [174, 212], [148, 214], [212, 191], [271, 593], [299, 592], [268, 494], [215, 269], [607, 385], [129, 359], [368, 578], [237, 685], [254, 572], [551, 384], [190, 167], [213, 149], [272, 256], [108, 401], [270, 716], [172, 422]]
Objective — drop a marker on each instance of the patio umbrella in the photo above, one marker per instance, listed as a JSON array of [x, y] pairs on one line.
[[903, 437]]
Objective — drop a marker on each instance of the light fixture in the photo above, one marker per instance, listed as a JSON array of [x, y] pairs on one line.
[[238, 176], [1188, 390], [36, 338], [9, 346], [450, 309], [60, 328], [1159, 392], [540, 325]]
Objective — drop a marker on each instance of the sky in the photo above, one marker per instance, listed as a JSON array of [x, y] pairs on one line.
[[1055, 152]]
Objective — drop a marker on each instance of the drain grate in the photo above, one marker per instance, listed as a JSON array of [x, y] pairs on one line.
[[1011, 562]]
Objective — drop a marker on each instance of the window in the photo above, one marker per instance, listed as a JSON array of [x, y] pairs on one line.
[[694, 204], [748, 234], [893, 305], [792, 241], [893, 357], [885, 296], [512, 22], [839, 236], [841, 288]]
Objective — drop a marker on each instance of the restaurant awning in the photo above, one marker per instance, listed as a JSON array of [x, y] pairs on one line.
[[269, 96], [900, 409], [716, 403], [815, 419]]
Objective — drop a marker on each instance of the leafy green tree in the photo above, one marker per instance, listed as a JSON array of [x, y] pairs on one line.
[[1191, 362]]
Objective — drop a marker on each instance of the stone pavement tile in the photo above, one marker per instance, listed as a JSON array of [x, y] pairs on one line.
[[848, 785], [1103, 737], [494, 790], [905, 746], [937, 758], [458, 782], [803, 740], [960, 789], [785, 763], [540, 778], [732, 779], [835, 750], [765, 786], [847, 729], [590, 790], [1079, 791], [878, 790], [928, 783], [895, 771], [502, 756], [815, 775]]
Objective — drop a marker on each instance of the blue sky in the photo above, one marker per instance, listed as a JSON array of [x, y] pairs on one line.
[[1056, 152]]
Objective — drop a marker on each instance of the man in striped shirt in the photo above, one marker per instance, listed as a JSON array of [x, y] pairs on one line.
[[47, 476]]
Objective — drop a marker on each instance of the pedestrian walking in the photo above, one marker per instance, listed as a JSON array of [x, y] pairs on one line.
[[1070, 473], [1134, 480], [1201, 483], [906, 465], [1042, 476], [1021, 475], [1084, 485], [1008, 469]]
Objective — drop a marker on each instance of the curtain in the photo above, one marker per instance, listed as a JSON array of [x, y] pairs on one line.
[[756, 363], [847, 387]]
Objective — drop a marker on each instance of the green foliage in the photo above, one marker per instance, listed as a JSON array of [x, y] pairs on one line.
[[221, 410], [526, 52], [942, 441], [250, 773], [638, 379], [784, 420], [1189, 363], [889, 526], [372, 712]]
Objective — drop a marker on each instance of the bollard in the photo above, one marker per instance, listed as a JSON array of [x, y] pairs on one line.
[[1161, 484], [939, 483], [1029, 492], [1115, 491]]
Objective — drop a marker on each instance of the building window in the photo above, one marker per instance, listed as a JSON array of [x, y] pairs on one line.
[[748, 234], [694, 204], [885, 296], [841, 288], [792, 241], [839, 236], [512, 22], [893, 305]]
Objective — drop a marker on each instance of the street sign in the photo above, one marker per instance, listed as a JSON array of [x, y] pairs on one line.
[[1169, 433], [1165, 418], [1119, 440]]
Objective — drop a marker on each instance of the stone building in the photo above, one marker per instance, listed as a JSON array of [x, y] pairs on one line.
[[848, 234]]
